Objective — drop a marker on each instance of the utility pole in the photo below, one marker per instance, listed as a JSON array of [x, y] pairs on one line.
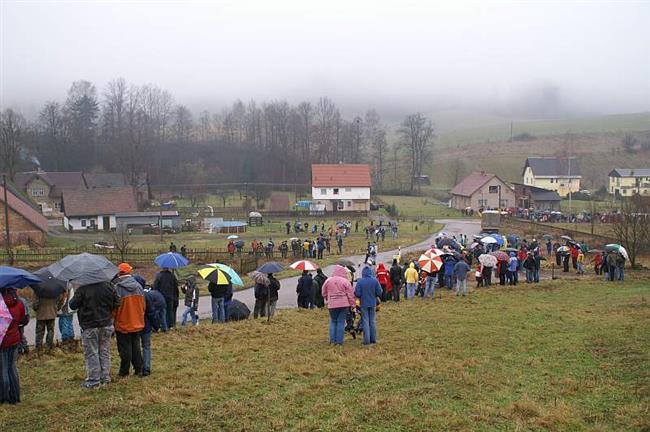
[[7, 239], [570, 205], [510, 130]]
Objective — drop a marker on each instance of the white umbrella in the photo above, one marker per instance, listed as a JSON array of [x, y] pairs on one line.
[[623, 252], [232, 237], [489, 240], [487, 260]]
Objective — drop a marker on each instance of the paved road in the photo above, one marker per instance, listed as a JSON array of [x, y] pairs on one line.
[[287, 293]]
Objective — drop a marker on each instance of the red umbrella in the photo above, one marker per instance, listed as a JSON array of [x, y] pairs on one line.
[[304, 265], [500, 255], [430, 263]]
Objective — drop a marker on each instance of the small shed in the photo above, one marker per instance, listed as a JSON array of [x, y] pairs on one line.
[[255, 219]]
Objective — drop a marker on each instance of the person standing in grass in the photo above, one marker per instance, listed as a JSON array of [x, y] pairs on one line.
[[191, 291], [339, 296], [95, 304], [411, 276], [167, 284], [9, 380], [66, 326], [396, 279], [581, 262], [304, 290], [46, 310], [154, 309], [513, 264], [218, 295], [367, 290], [460, 271], [129, 320], [274, 287]]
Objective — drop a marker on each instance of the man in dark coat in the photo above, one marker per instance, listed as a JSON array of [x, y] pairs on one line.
[[167, 284], [317, 295], [396, 279], [304, 290]]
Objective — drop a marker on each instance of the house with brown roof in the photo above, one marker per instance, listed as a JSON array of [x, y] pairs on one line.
[[95, 209], [481, 190], [26, 224], [341, 187], [46, 188]]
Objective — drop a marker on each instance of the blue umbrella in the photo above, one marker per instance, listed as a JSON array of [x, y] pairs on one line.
[[270, 267], [171, 260], [16, 278], [498, 238]]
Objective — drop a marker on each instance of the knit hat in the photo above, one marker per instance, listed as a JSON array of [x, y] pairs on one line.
[[125, 268]]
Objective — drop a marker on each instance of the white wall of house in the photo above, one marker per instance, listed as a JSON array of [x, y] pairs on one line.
[[340, 193], [82, 223]]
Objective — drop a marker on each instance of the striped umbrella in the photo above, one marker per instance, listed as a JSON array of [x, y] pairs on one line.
[[304, 265], [430, 263], [234, 277], [434, 252], [214, 275]]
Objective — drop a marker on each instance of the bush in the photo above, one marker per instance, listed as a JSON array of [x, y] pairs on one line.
[[391, 209], [524, 136]]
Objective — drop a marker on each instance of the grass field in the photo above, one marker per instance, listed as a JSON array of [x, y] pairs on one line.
[[426, 207], [554, 356]]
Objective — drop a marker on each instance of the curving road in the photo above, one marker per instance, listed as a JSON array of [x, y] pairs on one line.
[[287, 293]]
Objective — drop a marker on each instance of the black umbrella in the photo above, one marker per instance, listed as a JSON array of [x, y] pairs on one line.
[[345, 263], [270, 267], [237, 311], [547, 237], [49, 287]]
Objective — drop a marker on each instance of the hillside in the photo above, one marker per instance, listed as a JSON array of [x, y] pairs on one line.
[[596, 141]]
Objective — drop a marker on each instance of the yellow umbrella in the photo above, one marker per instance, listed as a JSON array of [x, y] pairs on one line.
[[214, 275]]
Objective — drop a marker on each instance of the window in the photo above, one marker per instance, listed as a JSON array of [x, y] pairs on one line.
[[349, 203], [323, 191], [494, 189], [340, 206], [336, 191], [348, 189], [38, 192], [482, 203], [83, 222], [504, 203]]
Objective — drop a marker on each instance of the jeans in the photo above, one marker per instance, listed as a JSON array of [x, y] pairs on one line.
[[189, 310], [396, 289], [581, 269], [430, 287], [369, 325], [536, 275], [66, 327], [9, 379], [128, 346], [96, 343], [448, 281], [621, 273], [410, 290], [461, 283], [145, 341], [511, 277], [529, 275], [162, 319], [41, 325], [272, 307], [218, 310], [337, 324]]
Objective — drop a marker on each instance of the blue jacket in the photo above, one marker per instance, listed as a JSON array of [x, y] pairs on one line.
[[449, 267], [367, 289], [154, 303]]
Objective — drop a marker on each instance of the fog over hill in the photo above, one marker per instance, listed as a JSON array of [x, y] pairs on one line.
[[521, 60]]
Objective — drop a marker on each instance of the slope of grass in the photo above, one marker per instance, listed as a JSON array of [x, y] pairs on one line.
[[554, 356]]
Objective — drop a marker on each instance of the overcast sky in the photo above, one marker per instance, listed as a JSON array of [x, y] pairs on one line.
[[415, 55]]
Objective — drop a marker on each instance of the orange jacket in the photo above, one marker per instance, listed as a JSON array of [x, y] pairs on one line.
[[129, 316]]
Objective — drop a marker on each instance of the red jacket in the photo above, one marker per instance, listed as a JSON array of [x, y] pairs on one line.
[[383, 277], [17, 311]]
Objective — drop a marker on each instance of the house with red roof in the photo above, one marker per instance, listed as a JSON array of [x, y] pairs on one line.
[[341, 187], [26, 224], [96, 209], [46, 188], [481, 190]]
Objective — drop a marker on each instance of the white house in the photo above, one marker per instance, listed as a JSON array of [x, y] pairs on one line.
[[95, 209], [341, 187]]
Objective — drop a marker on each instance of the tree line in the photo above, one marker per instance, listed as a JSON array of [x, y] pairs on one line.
[[141, 130]]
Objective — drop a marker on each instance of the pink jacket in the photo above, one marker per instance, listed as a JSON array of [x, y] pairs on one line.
[[337, 289]]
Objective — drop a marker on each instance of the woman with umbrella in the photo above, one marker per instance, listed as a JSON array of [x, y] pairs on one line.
[[12, 315], [46, 301], [167, 283]]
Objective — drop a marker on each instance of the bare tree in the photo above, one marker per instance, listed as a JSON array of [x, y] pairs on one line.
[[12, 128], [416, 134], [122, 241], [375, 138], [632, 228]]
